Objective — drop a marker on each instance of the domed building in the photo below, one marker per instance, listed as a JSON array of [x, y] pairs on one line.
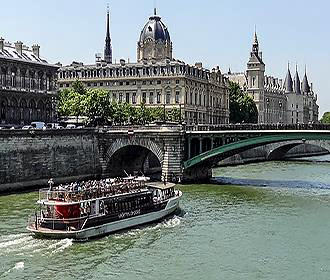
[[157, 79], [155, 42]]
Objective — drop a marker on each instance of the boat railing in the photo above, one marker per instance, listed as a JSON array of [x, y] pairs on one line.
[[67, 195], [68, 224]]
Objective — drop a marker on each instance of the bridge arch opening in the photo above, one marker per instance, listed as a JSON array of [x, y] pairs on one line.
[[281, 152], [134, 159]]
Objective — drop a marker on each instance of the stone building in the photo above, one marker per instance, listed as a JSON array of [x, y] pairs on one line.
[[278, 102], [157, 79], [27, 85]]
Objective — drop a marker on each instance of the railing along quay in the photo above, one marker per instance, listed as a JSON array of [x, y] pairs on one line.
[[226, 127]]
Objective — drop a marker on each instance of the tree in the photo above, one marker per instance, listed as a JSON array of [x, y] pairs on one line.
[[326, 118], [71, 100], [242, 107]]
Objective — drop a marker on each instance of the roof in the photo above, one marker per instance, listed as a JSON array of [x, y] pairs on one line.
[[161, 186], [288, 84], [155, 29], [305, 85], [297, 83], [10, 52]]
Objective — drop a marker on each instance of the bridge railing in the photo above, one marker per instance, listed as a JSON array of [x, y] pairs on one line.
[[226, 127]]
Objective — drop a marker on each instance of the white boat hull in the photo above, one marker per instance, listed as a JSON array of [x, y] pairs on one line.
[[85, 234]]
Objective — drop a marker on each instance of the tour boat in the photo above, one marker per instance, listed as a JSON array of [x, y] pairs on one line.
[[84, 210]]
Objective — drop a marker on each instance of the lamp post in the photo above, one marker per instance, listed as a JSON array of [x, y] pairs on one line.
[[267, 110]]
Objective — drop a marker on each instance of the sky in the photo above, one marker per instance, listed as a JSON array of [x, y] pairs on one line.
[[214, 32]]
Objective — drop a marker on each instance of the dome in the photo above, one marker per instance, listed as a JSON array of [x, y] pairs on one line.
[[155, 30]]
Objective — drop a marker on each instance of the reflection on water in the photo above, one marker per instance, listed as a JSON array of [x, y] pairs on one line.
[[260, 221]]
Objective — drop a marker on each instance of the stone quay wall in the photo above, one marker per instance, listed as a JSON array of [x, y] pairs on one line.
[[28, 158]]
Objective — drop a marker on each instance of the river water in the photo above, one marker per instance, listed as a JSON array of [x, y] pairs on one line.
[[260, 221]]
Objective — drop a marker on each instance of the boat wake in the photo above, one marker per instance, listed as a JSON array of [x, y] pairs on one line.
[[168, 223], [25, 244]]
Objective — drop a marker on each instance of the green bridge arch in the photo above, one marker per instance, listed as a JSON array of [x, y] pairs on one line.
[[213, 156]]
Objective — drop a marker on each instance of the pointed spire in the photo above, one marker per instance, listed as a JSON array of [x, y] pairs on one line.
[[255, 45], [297, 88], [288, 84], [108, 48], [305, 85]]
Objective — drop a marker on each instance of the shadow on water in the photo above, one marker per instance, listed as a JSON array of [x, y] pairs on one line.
[[298, 184]]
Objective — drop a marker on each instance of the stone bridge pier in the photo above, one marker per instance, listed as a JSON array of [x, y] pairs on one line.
[[156, 152]]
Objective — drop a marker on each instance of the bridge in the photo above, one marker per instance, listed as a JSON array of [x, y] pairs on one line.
[[172, 152], [188, 153]]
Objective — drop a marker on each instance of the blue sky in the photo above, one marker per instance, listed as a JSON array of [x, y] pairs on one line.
[[215, 32]]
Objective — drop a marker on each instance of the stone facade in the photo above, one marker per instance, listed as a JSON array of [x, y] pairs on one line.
[[277, 102], [157, 79], [27, 85]]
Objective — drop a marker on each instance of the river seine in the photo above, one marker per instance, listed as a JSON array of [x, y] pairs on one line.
[[260, 221]]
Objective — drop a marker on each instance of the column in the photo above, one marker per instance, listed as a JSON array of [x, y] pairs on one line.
[[200, 145], [189, 148]]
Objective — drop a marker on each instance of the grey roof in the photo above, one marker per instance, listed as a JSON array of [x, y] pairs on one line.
[[288, 84], [297, 83], [155, 29], [9, 52], [305, 85]]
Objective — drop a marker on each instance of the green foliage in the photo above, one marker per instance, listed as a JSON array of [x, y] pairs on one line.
[[326, 118], [242, 107], [96, 105]]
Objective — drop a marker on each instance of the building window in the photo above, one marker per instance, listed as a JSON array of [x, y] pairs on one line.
[[134, 98], [95, 84], [151, 98], [150, 83], [120, 97], [127, 83], [177, 97], [191, 98], [253, 81], [101, 84], [120, 83], [144, 82], [88, 84], [159, 97], [177, 82], [127, 97], [196, 101], [168, 97], [159, 82], [144, 97]]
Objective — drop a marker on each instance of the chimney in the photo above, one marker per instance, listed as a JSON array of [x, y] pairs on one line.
[[19, 47], [2, 44], [36, 50], [311, 86], [122, 62], [199, 64]]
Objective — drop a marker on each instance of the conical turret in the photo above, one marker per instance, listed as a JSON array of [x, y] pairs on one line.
[[305, 85], [297, 88], [288, 84]]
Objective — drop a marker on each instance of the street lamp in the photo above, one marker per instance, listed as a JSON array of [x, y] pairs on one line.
[[267, 110]]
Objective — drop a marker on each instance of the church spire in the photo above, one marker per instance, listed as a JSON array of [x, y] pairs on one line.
[[255, 45], [108, 48]]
